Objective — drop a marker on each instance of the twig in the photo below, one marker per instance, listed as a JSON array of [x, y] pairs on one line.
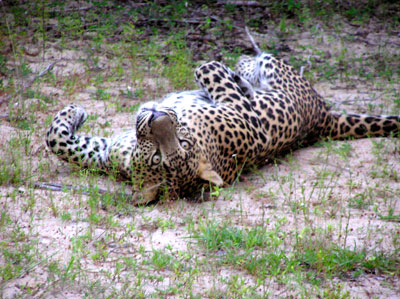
[[354, 101], [243, 3], [347, 87], [185, 21], [132, 4], [82, 190], [63, 187], [74, 9], [8, 118], [28, 269], [303, 67], [200, 37], [43, 72], [221, 22], [46, 70]]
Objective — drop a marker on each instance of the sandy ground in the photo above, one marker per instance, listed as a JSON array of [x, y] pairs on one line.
[[313, 187]]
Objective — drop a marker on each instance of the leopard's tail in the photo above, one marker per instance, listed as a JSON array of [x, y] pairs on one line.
[[361, 125], [63, 141]]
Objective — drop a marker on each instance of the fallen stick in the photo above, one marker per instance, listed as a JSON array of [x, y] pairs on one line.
[[243, 3], [81, 190], [43, 72], [12, 118]]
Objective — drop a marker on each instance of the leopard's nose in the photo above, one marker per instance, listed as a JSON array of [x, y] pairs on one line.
[[163, 131], [156, 114]]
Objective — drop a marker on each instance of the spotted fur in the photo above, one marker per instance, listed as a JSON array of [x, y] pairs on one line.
[[190, 140]]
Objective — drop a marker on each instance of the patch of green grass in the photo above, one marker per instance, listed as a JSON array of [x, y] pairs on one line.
[[361, 200], [357, 12], [101, 95], [346, 66], [335, 261], [256, 250], [179, 68], [15, 167], [261, 252], [235, 287], [19, 252], [391, 216], [160, 260], [220, 236]]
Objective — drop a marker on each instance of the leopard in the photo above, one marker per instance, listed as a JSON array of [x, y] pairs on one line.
[[192, 141]]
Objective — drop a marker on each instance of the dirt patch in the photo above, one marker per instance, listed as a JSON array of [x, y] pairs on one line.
[[75, 245]]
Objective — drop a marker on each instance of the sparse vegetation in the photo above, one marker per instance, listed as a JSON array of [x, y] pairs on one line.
[[315, 223]]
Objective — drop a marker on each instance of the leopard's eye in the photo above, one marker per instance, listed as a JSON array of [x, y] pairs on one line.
[[185, 145], [156, 159]]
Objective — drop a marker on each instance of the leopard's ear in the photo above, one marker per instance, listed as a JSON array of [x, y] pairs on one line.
[[208, 174]]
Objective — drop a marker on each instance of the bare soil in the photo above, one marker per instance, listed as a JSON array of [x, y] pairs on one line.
[[313, 187]]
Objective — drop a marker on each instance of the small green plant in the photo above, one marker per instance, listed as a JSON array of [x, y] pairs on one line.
[[165, 224], [160, 260], [101, 95], [179, 69], [15, 168], [360, 201], [19, 253], [391, 216], [331, 260]]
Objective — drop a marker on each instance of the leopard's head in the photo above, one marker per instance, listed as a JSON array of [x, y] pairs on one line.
[[167, 160]]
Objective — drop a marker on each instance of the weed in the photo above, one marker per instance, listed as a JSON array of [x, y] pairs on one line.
[[179, 68], [330, 260], [165, 224], [390, 216], [160, 260], [15, 168], [360, 200], [102, 95], [19, 252]]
